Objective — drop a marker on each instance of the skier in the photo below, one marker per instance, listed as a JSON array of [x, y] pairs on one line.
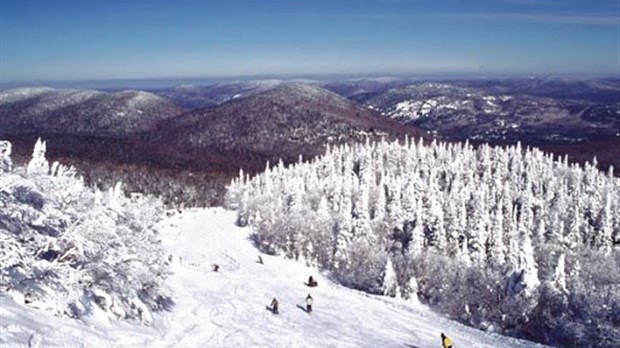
[[216, 267], [260, 260], [274, 306], [311, 282], [309, 301], [445, 341]]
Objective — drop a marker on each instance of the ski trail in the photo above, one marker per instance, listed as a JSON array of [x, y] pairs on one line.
[[231, 304], [228, 308]]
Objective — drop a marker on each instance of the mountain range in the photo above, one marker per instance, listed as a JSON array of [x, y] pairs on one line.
[[220, 128], [283, 122]]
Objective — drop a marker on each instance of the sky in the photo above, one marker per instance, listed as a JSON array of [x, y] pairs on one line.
[[115, 39]]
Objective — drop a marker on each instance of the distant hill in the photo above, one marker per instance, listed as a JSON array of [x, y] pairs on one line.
[[360, 90], [44, 111], [196, 97], [502, 112], [193, 134], [282, 122]]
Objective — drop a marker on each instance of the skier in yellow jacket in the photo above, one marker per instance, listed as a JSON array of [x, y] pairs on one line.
[[445, 341]]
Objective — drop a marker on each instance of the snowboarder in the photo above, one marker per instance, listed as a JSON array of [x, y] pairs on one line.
[[274, 306], [445, 341], [311, 282], [309, 301]]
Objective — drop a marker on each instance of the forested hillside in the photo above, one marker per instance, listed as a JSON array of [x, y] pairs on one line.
[[505, 239]]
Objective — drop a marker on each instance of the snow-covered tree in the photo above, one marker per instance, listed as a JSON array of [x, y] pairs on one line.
[[390, 282], [558, 279], [38, 163], [442, 213], [6, 164], [73, 250]]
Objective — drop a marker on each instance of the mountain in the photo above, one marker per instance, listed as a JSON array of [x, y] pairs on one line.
[[604, 90], [43, 111], [495, 113], [283, 122], [186, 158], [141, 137], [361, 90], [228, 308], [196, 97]]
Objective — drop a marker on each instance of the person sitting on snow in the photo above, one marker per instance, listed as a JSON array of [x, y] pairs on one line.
[[445, 341], [311, 282], [274, 306]]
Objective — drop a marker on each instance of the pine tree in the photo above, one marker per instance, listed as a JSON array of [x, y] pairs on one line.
[[446, 207], [38, 164], [6, 164], [558, 279], [390, 283]]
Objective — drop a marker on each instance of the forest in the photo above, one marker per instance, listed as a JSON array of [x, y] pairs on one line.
[[507, 239]]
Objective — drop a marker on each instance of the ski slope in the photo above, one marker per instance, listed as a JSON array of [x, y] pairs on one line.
[[228, 308]]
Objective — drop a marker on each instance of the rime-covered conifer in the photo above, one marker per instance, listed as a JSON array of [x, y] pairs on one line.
[[481, 223]]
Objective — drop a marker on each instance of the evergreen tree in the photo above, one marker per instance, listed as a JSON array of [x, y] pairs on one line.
[[443, 213], [6, 164], [390, 283], [38, 163]]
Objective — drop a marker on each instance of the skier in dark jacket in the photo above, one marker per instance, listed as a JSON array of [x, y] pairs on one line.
[[274, 306], [311, 282], [445, 341], [309, 301]]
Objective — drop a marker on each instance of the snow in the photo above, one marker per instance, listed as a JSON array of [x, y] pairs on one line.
[[228, 308], [51, 99], [138, 98], [267, 83], [17, 94], [490, 103], [408, 109], [412, 110]]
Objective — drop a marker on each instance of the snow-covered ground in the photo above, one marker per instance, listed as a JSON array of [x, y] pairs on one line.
[[229, 308]]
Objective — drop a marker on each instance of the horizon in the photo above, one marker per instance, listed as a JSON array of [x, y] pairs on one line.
[[156, 83], [71, 40]]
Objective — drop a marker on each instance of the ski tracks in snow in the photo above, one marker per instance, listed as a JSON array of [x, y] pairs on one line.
[[227, 308]]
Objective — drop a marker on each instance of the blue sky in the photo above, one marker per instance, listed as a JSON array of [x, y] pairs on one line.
[[111, 39]]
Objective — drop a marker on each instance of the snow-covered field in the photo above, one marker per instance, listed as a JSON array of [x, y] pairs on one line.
[[228, 308]]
